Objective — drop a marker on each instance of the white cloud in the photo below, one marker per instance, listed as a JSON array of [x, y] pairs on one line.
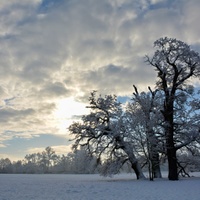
[[14, 12]]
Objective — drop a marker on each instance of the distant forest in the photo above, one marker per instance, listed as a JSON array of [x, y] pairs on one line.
[[48, 161], [80, 162]]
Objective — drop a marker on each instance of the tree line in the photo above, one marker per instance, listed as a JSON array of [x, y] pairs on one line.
[[48, 161], [80, 162], [160, 123]]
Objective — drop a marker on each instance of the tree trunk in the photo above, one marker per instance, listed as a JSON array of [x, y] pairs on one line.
[[153, 154], [138, 171], [134, 163], [172, 164], [171, 150], [128, 149], [168, 114], [156, 166]]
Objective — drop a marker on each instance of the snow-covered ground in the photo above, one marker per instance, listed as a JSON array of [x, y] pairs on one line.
[[95, 187]]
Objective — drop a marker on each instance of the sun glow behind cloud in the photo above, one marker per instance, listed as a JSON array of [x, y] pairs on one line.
[[67, 111]]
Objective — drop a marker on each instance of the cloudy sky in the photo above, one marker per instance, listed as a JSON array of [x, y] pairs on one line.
[[53, 53]]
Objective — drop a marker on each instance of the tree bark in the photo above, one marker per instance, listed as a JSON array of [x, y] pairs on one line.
[[156, 166], [128, 149], [171, 150], [172, 164], [137, 169], [154, 155]]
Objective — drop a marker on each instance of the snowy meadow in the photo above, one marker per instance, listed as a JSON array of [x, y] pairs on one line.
[[90, 187]]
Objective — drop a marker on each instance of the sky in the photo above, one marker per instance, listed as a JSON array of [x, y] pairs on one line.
[[53, 53]]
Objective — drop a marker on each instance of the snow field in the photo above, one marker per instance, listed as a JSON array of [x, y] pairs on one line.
[[95, 187]]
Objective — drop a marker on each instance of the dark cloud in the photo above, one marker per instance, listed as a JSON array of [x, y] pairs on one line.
[[46, 109], [10, 114], [117, 79], [56, 89]]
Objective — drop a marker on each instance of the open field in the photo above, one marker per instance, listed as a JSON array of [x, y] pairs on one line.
[[90, 187]]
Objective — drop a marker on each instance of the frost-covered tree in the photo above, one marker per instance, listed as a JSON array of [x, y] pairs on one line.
[[63, 165], [18, 167], [32, 163], [144, 121], [5, 165], [189, 160], [103, 133], [81, 162], [176, 63], [48, 159]]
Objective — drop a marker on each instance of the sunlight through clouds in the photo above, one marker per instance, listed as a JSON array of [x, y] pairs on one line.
[[68, 110]]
